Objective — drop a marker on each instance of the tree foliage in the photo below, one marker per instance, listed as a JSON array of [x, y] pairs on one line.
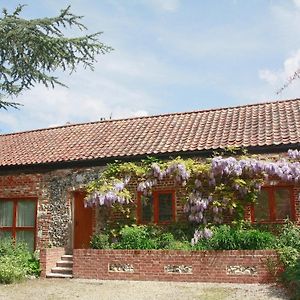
[[32, 50]]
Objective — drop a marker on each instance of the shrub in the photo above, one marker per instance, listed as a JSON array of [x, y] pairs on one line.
[[254, 239], [11, 269], [289, 236], [291, 278], [16, 261], [100, 241], [288, 256], [135, 237], [182, 231], [178, 245], [231, 238], [164, 240]]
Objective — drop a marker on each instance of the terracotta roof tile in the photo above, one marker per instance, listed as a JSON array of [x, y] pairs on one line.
[[262, 124]]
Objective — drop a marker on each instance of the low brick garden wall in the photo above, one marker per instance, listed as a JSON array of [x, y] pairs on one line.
[[48, 259], [236, 266]]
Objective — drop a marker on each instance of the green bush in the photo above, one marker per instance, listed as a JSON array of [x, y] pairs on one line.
[[254, 239], [182, 231], [163, 240], [11, 269], [289, 236], [16, 262], [178, 245], [291, 279], [135, 237], [230, 238], [288, 256], [100, 241], [144, 237]]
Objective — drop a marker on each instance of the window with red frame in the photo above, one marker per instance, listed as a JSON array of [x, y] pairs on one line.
[[18, 220], [157, 208], [274, 204]]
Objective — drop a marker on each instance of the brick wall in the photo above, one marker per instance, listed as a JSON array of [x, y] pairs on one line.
[[54, 193], [240, 266], [18, 186], [49, 257]]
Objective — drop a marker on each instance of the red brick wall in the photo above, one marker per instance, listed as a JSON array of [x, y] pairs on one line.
[[25, 186], [206, 266], [48, 259]]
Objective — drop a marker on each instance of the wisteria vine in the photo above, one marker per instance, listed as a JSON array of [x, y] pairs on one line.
[[213, 187]]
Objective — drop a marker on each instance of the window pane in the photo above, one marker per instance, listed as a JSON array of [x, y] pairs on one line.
[[4, 234], [6, 213], [27, 237], [147, 209], [261, 207], [283, 203], [26, 213], [165, 211]]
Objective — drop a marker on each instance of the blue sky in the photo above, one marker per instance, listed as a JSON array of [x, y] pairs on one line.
[[170, 56]]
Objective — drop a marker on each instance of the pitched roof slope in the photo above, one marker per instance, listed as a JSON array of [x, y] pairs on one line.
[[262, 124]]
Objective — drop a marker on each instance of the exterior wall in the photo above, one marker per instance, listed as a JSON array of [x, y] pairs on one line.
[[256, 266], [54, 191], [166, 184], [54, 194], [49, 257]]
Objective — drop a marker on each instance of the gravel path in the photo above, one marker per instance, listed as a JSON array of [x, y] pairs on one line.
[[64, 289]]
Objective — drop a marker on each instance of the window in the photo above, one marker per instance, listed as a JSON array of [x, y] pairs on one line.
[[157, 208], [274, 204], [18, 220]]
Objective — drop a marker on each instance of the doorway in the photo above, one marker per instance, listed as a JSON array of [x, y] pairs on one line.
[[83, 222]]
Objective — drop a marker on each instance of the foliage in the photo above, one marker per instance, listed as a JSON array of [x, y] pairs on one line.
[[31, 50], [291, 279], [148, 237], [179, 245], [225, 237], [289, 236], [135, 237], [182, 231], [100, 241], [11, 270], [213, 187], [288, 244], [288, 256], [164, 240], [16, 262]]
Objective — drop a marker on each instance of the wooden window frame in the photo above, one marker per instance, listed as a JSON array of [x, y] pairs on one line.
[[271, 203], [14, 228], [155, 195]]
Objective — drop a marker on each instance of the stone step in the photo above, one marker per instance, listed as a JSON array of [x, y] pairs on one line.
[[65, 264], [58, 275], [62, 270], [67, 257]]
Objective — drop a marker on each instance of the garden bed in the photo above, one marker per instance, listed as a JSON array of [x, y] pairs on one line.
[[235, 266]]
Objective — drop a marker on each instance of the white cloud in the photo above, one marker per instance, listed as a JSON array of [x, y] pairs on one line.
[[48, 108], [167, 5], [140, 113], [268, 76], [278, 78], [292, 63], [297, 3]]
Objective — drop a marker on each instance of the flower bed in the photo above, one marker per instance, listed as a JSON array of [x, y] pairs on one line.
[[236, 266]]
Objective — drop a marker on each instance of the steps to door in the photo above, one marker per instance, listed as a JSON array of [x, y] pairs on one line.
[[63, 269]]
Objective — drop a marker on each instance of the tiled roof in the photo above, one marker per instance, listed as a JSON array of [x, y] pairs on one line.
[[262, 124]]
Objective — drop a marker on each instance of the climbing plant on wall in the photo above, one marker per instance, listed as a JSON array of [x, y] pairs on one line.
[[214, 187]]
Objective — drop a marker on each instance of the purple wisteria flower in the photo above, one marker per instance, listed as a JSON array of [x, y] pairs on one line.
[[205, 233]]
